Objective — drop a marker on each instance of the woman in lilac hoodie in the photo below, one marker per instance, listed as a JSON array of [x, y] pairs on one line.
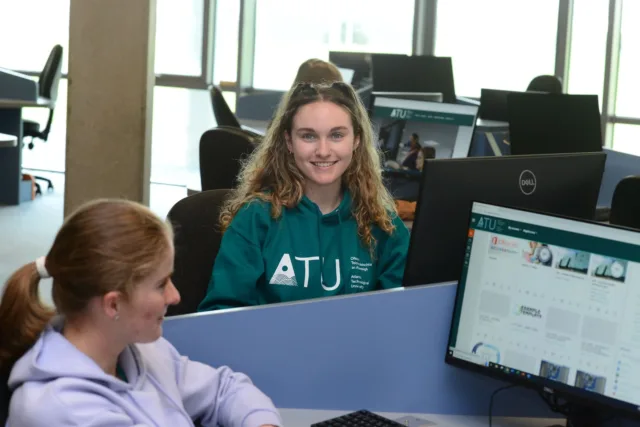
[[101, 361]]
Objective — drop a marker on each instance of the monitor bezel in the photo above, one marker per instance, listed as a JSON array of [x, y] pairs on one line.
[[565, 391]]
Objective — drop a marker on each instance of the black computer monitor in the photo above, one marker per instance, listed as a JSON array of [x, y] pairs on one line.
[[565, 184], [551, 303], [553, 123], [359, 62], [493, 104], [403, 73]]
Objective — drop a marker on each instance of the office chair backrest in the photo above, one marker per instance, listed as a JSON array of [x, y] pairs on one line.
[[545, 83], [223, 114], [625, 204], [197, 240], [4, 398], [50, 76], [222, 150]]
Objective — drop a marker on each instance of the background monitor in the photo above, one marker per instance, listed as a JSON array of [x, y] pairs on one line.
[[565, 184], [359, 62], [493, 104], [403, 73], [415, 96], [444, 129], [554, 123], [347, 74], [551, 303]]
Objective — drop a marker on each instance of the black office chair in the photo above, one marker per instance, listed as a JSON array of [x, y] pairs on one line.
[[545, 83], [625, 204], [47, 88], [5, 395], [223, 114], [197, 240], [222, 150]]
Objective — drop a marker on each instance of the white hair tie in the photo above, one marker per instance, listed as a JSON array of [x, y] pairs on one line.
[[42, 270]]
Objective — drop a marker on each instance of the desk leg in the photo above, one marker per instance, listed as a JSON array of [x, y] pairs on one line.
[[11, 158]]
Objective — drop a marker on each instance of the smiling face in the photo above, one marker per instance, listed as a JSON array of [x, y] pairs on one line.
[[322, 141], [144, 311]]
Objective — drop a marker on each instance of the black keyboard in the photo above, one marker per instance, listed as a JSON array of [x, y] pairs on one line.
[[358, 419]]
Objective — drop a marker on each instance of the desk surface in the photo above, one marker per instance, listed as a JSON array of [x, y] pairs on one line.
[[8, 140], [306, 417], [18, 103]]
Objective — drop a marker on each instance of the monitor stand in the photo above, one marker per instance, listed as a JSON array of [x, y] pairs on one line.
[[578, 414]]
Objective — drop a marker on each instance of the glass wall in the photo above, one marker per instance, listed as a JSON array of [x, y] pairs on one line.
[[497, 44], [288, 32], [588, 48], [179, 28]]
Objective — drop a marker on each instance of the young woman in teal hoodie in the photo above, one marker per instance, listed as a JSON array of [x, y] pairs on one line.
[[311, 217]]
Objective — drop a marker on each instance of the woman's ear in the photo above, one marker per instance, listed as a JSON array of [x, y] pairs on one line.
[[287, 138]]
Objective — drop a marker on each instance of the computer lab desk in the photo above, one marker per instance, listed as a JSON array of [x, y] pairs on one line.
[[306, 417], [12, 189]]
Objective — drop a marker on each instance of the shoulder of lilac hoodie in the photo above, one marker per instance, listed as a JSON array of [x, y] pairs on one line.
[[54, 384]]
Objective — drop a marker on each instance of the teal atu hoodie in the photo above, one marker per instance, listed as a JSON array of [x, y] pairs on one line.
[[301, 255]]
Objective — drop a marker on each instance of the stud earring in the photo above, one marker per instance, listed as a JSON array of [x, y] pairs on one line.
[[116, 317]]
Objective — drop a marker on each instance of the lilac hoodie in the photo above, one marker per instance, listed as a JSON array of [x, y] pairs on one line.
[[54, 384]]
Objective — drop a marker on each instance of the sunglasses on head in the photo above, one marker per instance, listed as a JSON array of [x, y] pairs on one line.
[[311, 89]]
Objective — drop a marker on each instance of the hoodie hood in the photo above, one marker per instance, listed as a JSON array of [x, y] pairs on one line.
[[42, 363]]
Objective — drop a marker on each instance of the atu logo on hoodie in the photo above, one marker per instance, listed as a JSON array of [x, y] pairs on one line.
[[284, 274]]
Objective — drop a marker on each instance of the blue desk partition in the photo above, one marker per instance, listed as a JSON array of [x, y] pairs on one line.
[[618, 166], [383, 351]]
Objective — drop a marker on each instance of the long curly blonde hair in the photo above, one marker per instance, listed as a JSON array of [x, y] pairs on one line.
[[271, 174]]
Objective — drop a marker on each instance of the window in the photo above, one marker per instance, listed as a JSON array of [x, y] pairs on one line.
[[588, 47], [24, 23], [225, 65], [628, 86], [180, 117], [626, 138], [179, 37], [497, 44], [288, 32]]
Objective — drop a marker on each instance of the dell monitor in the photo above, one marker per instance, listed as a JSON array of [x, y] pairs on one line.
[[566, 184], [403, 73], [553, 123], [551, 303]]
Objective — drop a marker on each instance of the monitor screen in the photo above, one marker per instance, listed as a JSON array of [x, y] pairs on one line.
[[403, 73], [553, 123], [347, 74], [441, 130], [551, 302], [563, 184]]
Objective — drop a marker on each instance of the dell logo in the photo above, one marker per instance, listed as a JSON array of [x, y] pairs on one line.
[[527, 182]]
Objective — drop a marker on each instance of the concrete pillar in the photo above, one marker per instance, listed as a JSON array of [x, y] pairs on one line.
[[110, 100]]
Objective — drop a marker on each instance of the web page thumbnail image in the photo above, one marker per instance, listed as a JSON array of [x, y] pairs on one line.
[[554, 372], [605, 267], [556, 256], [590, 382]]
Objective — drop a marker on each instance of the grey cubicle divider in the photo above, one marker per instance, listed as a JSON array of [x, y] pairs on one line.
[[618, 166], [383, 351]]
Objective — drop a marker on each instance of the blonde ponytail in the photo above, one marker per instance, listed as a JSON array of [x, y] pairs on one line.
[[22, 315]]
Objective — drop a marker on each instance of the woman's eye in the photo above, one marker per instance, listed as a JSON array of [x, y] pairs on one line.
[[337, 135], [308, 137]]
